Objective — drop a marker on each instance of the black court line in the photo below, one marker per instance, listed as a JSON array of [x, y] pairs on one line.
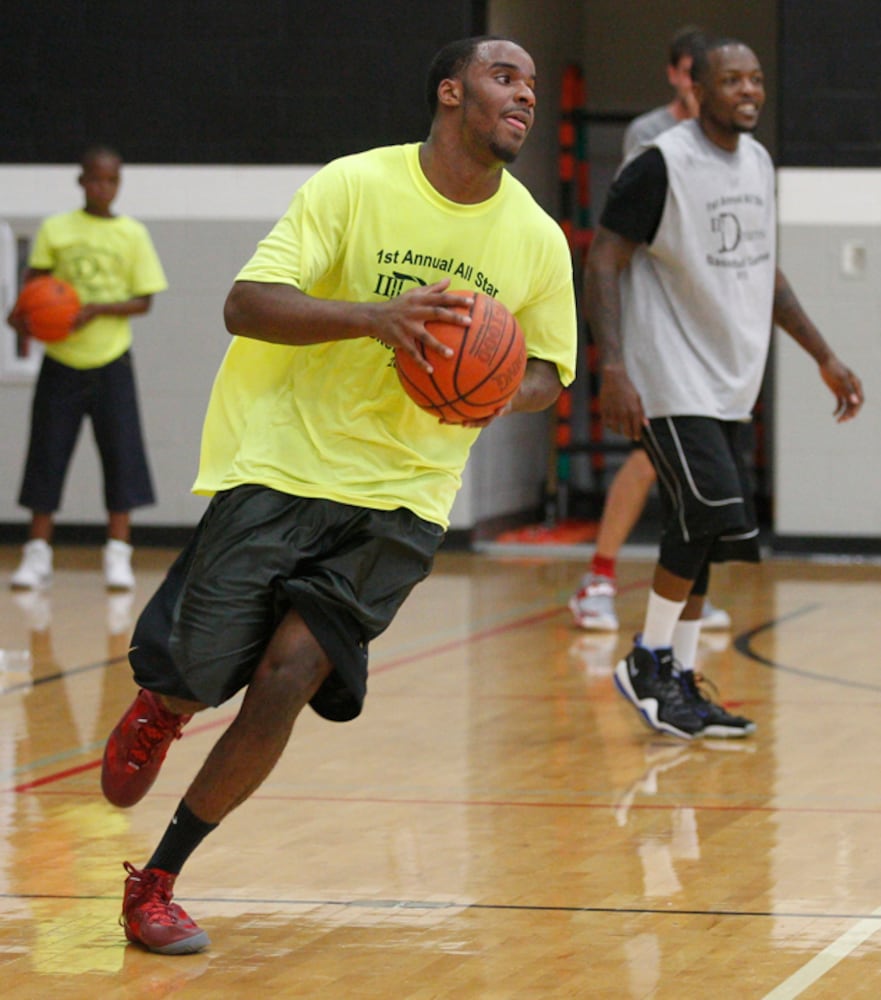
[[61, 674], [418, 904], [742, 645]]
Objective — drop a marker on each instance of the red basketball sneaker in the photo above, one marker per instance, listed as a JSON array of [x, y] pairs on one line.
[[149, 917], [137, 747]]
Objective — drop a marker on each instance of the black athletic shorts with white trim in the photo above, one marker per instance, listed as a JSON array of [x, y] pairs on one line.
[[255, 554], [705, 484]]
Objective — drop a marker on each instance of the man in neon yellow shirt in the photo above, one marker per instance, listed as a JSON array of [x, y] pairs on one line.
[[111, 262], [331, 488]]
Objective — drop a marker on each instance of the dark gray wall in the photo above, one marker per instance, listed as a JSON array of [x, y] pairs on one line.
[[219, 81], [830, 83]]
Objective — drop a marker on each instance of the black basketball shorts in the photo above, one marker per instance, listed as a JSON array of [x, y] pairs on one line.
[[257, 553], [63, 398], [705, 486]]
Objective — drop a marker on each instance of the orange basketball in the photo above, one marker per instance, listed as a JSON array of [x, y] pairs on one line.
[[483, 373], [50, 306]]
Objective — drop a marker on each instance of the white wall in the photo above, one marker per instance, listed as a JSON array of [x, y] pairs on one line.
[[827, 476]]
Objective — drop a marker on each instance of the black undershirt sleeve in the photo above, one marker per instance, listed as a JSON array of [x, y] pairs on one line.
[[635, 202]]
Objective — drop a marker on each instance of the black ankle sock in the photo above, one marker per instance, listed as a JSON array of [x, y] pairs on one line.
[[184, 834]]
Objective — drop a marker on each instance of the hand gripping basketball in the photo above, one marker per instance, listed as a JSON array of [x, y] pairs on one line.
[[483, 373]]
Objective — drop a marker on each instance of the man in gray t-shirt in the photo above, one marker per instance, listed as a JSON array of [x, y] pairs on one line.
[[648, 126], [593, 604]]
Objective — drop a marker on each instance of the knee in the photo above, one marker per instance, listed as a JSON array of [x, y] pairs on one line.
[[641, 467], [684, 559], [293, 662]]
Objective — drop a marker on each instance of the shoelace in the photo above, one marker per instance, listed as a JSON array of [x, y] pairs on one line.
[[153, 899], [149, 737], [695, 682], [669, 668], [674, 680]]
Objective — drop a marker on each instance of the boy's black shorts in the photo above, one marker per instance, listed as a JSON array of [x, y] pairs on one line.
[[63, 397], [255, 554]]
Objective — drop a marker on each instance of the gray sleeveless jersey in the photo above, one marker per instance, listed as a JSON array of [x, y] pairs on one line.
[[696, 304]]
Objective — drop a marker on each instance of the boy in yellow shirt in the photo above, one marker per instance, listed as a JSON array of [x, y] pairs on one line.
[[111, 262]]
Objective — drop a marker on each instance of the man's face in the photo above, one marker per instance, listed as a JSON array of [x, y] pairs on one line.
[[498, 100], [679, 78], [733, 92]]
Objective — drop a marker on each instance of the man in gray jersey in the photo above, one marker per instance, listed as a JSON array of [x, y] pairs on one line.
[[682, 292]]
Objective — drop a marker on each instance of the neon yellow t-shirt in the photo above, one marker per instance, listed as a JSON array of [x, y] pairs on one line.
[[106, 260], [331, 420]]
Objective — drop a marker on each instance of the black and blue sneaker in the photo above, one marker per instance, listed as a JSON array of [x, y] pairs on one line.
[[719, 723], [650, 680]]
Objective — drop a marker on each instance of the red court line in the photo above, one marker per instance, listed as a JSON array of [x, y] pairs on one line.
[[466, 640], [607, 806], [399, 662], [71, 772], [57, 776]]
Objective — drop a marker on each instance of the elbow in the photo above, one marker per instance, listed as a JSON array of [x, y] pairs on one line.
[[541, 387], [232, 313], [546, 397], [554, 393]]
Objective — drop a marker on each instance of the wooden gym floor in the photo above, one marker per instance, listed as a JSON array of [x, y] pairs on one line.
[[497, 824]]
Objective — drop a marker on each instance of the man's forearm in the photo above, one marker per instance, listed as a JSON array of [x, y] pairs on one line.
[[791, 317], [603, 307]]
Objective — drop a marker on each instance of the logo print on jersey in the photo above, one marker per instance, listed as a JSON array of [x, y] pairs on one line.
[[727, 226], [392, 285]]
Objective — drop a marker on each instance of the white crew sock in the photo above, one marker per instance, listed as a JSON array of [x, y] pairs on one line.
[[660, 620], [685, 637]]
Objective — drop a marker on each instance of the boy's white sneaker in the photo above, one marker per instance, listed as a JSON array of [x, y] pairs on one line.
[[35, 569], [118, 573]]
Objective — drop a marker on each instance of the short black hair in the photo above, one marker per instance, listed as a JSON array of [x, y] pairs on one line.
[[701, 63], [686, 42], [95, 151], [451, 61]]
